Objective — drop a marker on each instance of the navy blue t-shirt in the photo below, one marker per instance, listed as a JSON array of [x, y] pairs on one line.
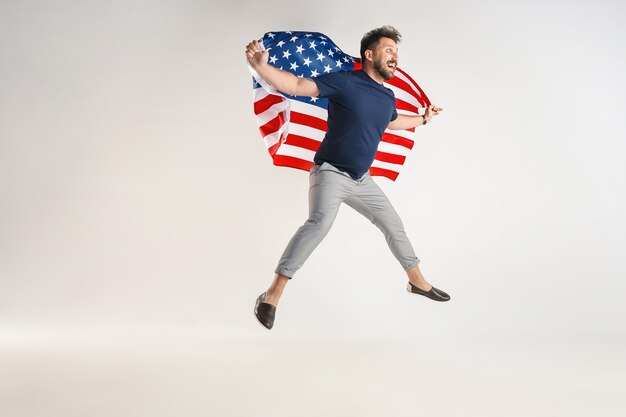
[[359, 111]]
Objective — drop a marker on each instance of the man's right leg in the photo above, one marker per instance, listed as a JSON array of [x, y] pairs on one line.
[[327, 190]]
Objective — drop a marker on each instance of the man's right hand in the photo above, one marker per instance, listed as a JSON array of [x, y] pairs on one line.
[[255, 56], [283, 81]]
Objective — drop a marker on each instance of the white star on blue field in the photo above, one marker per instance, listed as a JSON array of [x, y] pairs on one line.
[[305, 54]]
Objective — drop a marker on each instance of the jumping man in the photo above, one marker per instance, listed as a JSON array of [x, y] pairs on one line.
[[360, 109]]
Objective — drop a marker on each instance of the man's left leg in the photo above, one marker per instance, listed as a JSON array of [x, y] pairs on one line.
[[371, 202]]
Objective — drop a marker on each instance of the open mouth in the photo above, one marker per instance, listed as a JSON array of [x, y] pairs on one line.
[[391, 66]]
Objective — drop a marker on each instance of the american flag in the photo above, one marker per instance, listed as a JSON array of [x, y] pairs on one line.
[[293, 127]]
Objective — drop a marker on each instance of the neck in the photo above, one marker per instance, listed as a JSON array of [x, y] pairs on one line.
[[373, 74]]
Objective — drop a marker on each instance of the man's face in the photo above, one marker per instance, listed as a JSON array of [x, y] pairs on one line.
[[385, 58]]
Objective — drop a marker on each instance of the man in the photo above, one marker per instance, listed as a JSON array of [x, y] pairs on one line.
[[360, 109]]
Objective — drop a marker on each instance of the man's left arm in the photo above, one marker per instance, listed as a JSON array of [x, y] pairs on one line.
[[403, 121]]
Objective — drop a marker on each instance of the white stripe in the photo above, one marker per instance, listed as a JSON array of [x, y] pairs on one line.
[[407, 134], [271, 139], [386, 165], [296, 152], [309, 109], [404, 96], [393, 148], [307, 131]]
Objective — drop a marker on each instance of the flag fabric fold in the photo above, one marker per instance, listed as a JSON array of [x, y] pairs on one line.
[[293, 127]]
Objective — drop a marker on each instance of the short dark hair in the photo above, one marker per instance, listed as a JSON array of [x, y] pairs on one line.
[[371, 38]]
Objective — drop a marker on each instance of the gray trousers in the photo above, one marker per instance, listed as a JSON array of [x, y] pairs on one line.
[[329, 187]]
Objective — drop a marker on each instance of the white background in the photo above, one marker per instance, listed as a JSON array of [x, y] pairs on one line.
[[137, 198]]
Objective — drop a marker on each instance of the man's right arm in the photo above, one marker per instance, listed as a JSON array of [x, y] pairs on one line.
[[281, 80]]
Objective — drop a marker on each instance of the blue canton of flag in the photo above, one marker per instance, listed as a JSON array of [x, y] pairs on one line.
[[306, 54]]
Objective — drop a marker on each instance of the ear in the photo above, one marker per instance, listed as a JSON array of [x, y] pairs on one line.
[[368, 54]]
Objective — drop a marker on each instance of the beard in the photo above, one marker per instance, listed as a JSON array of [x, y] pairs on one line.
[[384, 70]]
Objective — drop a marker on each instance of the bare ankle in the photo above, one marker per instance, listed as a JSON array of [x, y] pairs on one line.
[[271, 297], [420, 283]]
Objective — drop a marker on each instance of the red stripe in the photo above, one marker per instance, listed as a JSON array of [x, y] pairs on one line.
[[390, 157], [273, 125], [381, 172], [308, 120], [403, 105], [290, 161], [272, 149], [397, 140], [266, 102], [302, 142], [426, 100], [402, 85]]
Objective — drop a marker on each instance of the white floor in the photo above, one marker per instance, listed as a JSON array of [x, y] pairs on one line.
[[264, 375]]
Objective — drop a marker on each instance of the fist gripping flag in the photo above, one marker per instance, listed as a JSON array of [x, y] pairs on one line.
[[293, 127]]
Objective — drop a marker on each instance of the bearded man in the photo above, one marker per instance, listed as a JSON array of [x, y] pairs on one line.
[[360, 108]]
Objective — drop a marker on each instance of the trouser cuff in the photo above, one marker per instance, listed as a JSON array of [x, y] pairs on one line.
[[285, 272], [412, 265]]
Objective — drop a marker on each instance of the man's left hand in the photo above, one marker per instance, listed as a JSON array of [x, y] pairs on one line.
[[432, 111]]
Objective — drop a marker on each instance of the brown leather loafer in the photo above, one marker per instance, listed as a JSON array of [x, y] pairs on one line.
[[434, 293], [264, 312]]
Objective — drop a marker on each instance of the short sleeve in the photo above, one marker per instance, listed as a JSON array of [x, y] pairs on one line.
[[394, 115], [331, 84]]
